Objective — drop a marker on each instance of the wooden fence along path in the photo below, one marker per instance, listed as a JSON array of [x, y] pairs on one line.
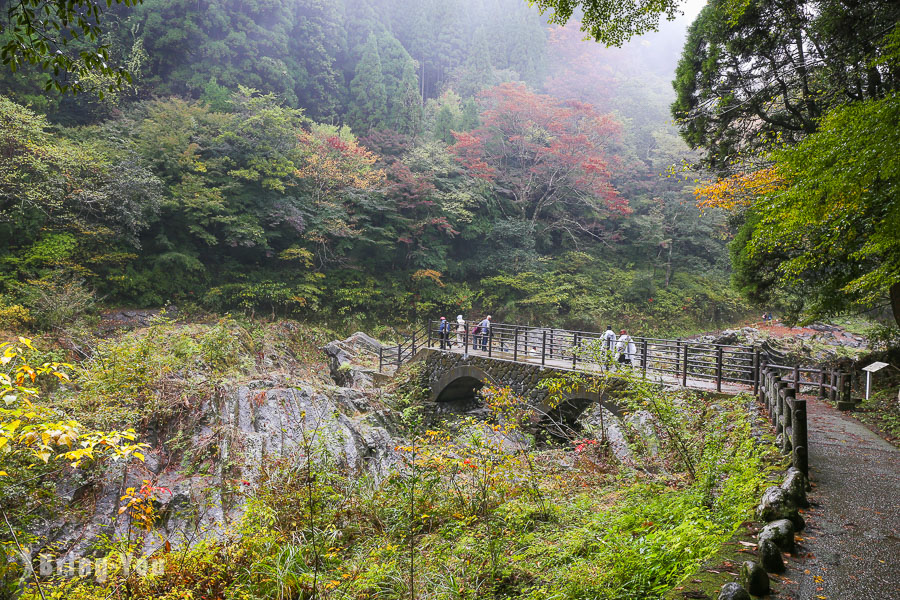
[[691, 364]]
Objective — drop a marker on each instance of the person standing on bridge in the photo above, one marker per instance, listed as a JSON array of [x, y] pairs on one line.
[[444, 332], [460, 331], [626, 349], [609, 345], [485, 327]]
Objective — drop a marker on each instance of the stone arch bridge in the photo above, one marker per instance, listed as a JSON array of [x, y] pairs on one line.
[[455, 379], [457, 365]]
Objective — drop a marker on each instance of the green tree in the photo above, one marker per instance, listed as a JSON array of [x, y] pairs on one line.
[[62, 199], [611, 22], [765, 76], [407, 106], [60, 36], [829, 234], [368, 95]]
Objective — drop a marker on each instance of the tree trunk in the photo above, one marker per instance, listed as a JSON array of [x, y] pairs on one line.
[[669, 263], [895, 301]]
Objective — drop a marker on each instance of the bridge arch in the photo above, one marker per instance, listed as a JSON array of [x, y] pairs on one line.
[[576, 402], [460, 384]]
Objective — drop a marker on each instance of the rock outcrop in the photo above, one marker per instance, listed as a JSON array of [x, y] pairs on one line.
[[201, 470]]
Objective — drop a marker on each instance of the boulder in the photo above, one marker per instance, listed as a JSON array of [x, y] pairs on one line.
[[776, 504], [794, 487], [343, 371], [642, 421], [733, 591], [729, 336], [362, 340], [599, 421], [770, 556], [754, 578], [780, 533]]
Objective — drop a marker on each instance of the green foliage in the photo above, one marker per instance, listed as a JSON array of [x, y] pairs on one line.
[[148, 376], [739, 90], [40, 33], [829, 236], [34, 433], [608, 21], [57, 300], [467, 511]]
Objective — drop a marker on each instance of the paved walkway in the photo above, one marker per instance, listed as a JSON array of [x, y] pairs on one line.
[[850, 549]]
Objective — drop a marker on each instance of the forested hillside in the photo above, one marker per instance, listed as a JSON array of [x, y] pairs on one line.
[[385, 159], [200, 201]]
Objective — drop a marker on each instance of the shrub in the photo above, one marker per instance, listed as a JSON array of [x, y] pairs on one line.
[[58, 299], [15, 317]]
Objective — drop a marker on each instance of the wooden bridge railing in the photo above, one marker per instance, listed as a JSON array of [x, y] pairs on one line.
[[787, 413]]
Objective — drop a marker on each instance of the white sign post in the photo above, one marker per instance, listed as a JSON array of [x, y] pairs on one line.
[[875, 366]]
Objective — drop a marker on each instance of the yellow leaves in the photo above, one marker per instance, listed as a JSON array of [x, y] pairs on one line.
[[740, 190], [431, 274]]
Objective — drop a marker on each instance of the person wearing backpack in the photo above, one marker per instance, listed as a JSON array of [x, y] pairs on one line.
[[626, 349], [444, 333], [460, 331], [485, 329]]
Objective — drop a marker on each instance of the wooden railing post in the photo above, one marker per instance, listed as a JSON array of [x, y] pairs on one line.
[[787, 421], [428, 327], [466, 339], [845, 388], [489, 336], [755, 371], [516, 344], [684, 370], [776, 407], [413, 345], [719, 368], [800, 439], [544, 348]]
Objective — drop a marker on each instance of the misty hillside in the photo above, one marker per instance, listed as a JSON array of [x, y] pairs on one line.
[[349, 160]]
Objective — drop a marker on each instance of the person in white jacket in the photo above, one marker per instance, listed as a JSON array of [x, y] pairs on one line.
[[626, 348], [609, 345], [460, 331]]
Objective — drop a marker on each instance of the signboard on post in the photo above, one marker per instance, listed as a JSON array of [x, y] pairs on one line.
[[874, 367]]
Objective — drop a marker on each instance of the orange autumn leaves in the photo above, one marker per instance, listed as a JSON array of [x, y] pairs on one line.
[[333, 161], [739, 191]]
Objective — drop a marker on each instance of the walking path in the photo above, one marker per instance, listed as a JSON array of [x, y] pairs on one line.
[[850, 549]]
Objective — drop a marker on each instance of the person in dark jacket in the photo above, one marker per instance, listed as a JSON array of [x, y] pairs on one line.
[[444, 333]]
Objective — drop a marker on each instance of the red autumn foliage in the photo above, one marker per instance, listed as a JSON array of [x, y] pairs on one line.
[[547, 157]]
